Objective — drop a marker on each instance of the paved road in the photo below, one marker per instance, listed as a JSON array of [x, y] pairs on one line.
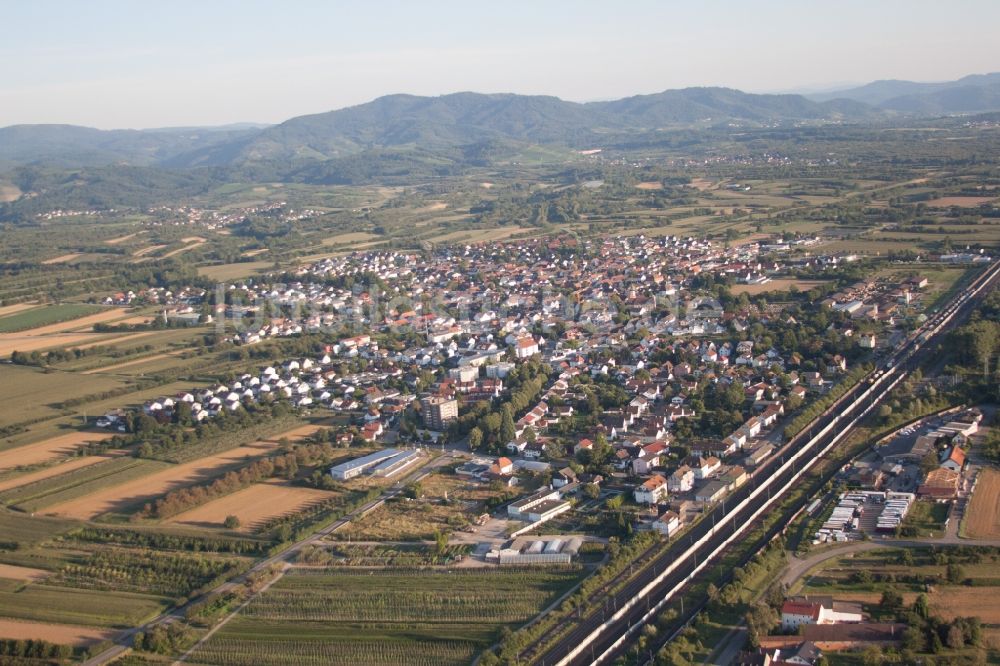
[[124, 641]]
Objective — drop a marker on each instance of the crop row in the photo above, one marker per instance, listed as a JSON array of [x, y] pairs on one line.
[[247, 652], [402, 605], [169, 574], [78, 483]]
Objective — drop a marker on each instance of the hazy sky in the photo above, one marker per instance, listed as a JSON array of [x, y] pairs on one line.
[[139, 63]]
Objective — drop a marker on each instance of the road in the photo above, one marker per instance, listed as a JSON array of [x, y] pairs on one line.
[[731, 645], [124, 641], [602, 635]]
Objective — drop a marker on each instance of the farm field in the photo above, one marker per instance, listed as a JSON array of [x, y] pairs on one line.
[[49, 449], [23, 342], [961, 202], [69, 318], [54, 470], [234, 271], [115, 367], [252, 506], [925, 573], [62, 259], [44, 318], [29, 530], [13, 572], [136, 492], [25, 335], [63, 634], [420, 617], [90, 608], [351, 237], [17, 307], [982, 517], [78, 483], [776, 285], [478, 235]]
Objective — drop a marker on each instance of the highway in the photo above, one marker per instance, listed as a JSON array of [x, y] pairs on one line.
[[602, 635]]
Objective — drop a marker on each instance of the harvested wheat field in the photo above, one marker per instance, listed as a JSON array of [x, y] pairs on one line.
[[951, 602], [961, 202], [122, 239], [701, 184], [253, 505], [147, 488], [54, 470], [650, 185], [297, 434], [63, 334], [12, 342], [63, 634], [982, 517], [39, 452], [183, 249], [141, 252], [11, 572], [62, 259], [131, 321]]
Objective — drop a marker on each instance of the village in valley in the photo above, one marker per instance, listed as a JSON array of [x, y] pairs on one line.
[[536, 402], [695, 377]]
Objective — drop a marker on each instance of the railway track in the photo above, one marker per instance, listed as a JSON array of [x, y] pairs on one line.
[[602, 634]]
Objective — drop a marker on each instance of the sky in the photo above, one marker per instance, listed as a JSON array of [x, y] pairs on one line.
[[139, 64]]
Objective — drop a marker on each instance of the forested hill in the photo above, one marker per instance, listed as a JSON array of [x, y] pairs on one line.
[[445, 122], [465, 118], [970, 94]]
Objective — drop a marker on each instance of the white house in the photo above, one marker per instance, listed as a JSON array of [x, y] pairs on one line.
[[652, 491]]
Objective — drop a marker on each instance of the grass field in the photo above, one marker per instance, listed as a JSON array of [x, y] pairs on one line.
[[927, 518], [982, 517], [30, 530], [45, 316], [30, 393], [90, 608], [129, 495], [478, 235], [383, 617], [234, 271]]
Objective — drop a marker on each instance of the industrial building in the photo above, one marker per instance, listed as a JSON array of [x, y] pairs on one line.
[[381, 463]]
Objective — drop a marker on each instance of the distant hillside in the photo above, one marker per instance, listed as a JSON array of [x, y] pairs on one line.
[[970, 94], [73, 146], [464, 118], [445, 122]]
